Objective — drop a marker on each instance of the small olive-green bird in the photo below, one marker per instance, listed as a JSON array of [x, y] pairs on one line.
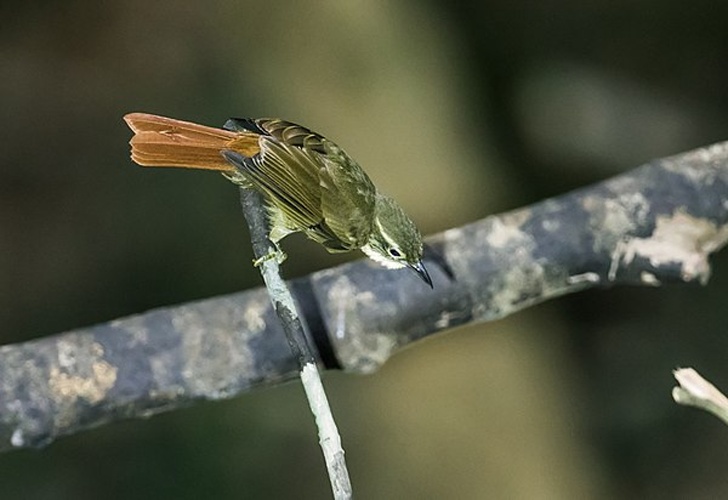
[[309, 183]]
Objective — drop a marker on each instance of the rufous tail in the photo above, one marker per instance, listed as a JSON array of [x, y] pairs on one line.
[[165, 142]]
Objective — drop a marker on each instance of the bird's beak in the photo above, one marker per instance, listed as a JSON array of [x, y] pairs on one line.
[[420, 269]]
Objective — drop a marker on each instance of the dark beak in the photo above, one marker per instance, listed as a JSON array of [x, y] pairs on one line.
[[420, 269]]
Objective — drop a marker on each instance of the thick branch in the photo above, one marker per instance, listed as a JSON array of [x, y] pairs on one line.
[[654, 225]]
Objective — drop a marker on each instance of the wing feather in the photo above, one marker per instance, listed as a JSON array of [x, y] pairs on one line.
[[319, 189], [346, 189]]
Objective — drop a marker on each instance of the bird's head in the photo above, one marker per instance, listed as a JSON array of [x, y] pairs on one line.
[[395, 241]]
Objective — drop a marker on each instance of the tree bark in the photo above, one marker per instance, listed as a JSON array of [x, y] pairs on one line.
[[654, 225]]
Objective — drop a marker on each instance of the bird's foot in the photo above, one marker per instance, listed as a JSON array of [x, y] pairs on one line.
[[278, 255]]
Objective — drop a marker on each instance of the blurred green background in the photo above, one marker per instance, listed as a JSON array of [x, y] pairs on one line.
[[458, 110]]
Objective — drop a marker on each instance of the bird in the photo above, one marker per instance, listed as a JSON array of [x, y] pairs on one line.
[[309, 184]]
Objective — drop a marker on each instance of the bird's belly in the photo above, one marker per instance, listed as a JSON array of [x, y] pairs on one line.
[[282, 225]]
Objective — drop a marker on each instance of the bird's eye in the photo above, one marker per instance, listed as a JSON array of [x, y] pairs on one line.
[[395, 253]]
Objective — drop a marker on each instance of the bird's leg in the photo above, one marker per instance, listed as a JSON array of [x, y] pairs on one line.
[[277, 233], [277, 254]]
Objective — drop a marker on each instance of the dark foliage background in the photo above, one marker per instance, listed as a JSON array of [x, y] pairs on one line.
[[458, 110]]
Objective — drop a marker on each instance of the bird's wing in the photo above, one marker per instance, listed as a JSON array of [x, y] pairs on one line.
[[346, 189], [318, 187]]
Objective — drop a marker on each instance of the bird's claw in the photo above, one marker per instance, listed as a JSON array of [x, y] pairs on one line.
[[278, 255]]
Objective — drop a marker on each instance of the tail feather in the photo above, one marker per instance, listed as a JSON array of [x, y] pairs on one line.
[[165, 142]]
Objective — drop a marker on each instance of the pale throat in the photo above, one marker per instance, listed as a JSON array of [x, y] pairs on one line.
[[380, 259], [377, 256]]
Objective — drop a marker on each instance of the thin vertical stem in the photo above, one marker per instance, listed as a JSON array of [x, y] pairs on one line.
[[255, 214]]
